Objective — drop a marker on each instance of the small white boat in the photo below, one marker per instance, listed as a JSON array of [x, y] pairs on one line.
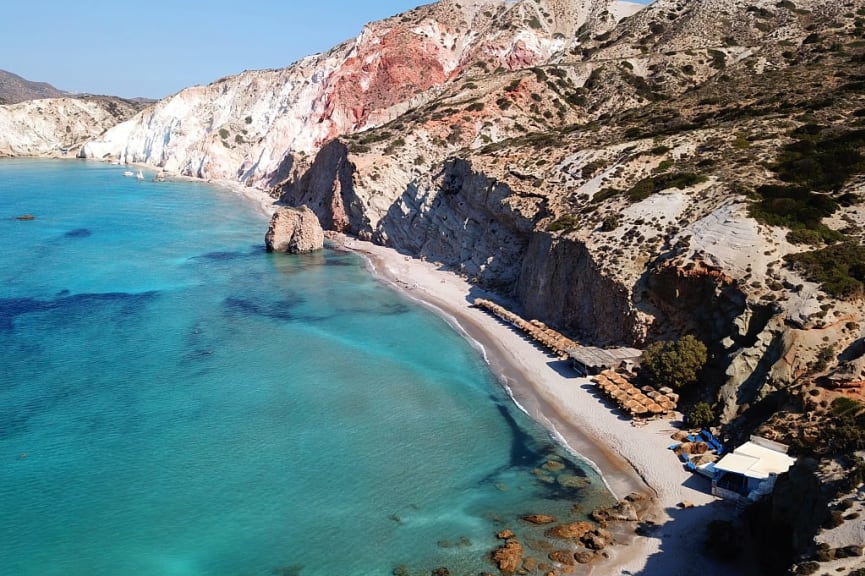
[[129, 173], [140, 176]]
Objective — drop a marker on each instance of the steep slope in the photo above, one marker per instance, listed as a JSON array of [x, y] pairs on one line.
[[635, 186], [14, 89], [59, 126], [257, 127]]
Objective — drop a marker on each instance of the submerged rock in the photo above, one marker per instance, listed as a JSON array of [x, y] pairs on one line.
[[539, 519], [294, 230], [574, 530]]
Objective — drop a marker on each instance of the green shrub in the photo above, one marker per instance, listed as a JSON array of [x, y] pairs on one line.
[[674, 363], [611, 222], [605, 194], [653, 184], [224, 133], [566, 222], [797, 208], [701, 415], [839, 269], [475, 107]]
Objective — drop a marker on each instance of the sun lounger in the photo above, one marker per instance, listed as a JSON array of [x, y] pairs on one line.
[[707, 435], [691, 466], [684, 457], [674, 446], [692, 437]]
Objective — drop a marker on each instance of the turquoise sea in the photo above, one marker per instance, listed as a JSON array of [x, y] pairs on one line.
[[176, 401]]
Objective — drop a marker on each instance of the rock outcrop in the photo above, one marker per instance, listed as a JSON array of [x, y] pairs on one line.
[[294, 230], [58, 127]]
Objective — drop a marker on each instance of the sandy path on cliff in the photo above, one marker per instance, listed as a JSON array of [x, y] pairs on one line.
[[632, 459]]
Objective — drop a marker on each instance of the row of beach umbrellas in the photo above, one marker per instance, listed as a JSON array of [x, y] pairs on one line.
[[536, 329], [645, 401]]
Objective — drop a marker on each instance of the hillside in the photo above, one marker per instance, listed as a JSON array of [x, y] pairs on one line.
[[14, 89], [58, 127], [624, 174]]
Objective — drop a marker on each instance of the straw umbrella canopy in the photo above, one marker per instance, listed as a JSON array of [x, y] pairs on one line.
[[638, 409], [666, 403], [655, 408]]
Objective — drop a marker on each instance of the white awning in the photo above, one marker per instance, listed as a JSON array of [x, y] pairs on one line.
[[755, 461]]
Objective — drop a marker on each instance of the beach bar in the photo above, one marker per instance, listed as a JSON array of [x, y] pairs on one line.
[[750, 471], [588, 360]]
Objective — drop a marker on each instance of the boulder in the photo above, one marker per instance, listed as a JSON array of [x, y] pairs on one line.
[[294, 230], [509, 556], [584, 556], [563, 557], [574, 530]]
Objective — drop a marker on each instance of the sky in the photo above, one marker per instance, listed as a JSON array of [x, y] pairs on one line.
[[155, 48]]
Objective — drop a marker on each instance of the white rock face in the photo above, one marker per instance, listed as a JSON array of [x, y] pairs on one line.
[[56, 127], [253, 127]]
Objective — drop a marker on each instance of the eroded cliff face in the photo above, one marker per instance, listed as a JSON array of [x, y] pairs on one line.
[[255, 126], [57, 127], [575, 189]]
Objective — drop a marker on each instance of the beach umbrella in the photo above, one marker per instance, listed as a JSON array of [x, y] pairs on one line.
[[647, 389], [665, 390], [655, 408], [632, 391], [639, 409]]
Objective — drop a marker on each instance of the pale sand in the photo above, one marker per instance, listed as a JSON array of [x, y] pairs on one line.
[[631, 459]]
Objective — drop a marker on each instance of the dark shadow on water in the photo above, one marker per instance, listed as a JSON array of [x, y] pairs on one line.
[[525, 452], [76, 304], [78, 233], [277, 310]]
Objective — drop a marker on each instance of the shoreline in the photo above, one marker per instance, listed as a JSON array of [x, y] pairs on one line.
[[630, 459]]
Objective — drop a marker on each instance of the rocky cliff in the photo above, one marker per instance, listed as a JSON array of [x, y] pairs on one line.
[[623, 173], [638, 180], [56, 127]]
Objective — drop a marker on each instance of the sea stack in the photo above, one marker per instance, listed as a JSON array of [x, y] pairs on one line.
[[294, 230]]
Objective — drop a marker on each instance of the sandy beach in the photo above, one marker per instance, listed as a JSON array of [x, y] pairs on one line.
[[631, 458]]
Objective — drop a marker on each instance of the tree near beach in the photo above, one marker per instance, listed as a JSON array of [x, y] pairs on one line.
[[674, 363]]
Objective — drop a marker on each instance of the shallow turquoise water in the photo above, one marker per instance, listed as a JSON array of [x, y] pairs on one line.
[[176, 401]]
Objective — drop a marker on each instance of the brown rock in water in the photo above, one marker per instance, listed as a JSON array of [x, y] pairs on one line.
[[294, 230], [509, 556], [441, 572], [505, 535], [594, 541], [563, 557], [539, 519], [574, 530], [26, 217], [584, 556]]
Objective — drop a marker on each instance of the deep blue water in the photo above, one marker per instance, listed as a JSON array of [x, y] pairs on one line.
[[176, 401]]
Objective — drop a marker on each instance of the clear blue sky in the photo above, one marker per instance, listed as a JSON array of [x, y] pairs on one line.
[[157, 47]]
